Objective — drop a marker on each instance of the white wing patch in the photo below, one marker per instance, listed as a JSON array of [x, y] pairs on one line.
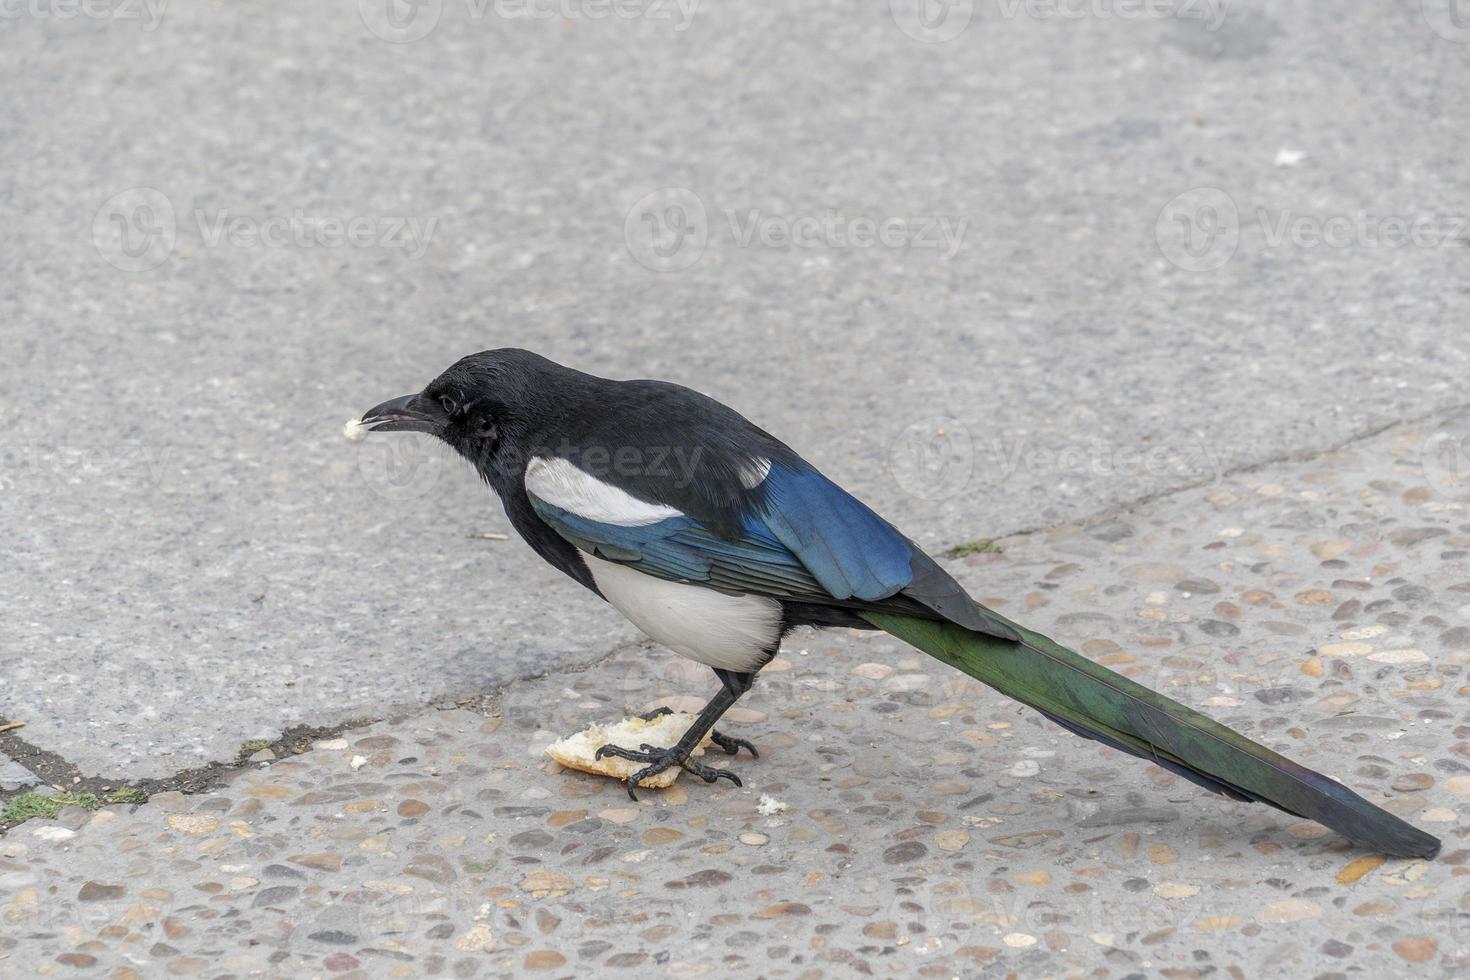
[[754, 474], [560, 484], [732, 632]]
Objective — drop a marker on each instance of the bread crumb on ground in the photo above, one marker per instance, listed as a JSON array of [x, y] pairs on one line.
[[769, 806]]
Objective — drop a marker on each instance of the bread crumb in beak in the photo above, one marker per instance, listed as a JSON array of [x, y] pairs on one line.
[[354, 430], [579, 751]]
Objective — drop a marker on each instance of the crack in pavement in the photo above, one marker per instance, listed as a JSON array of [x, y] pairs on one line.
[[64, 777], [1293, 456]]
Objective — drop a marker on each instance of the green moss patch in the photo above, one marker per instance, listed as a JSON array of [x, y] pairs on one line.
[[28, 806], [982, 546]]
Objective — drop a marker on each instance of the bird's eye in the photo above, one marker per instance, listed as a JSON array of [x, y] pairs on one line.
[[450, 406]]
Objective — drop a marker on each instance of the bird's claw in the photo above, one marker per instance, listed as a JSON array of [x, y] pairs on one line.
[[709, 773], [660, 760], [644, 753], [729, 744], [732, 746]]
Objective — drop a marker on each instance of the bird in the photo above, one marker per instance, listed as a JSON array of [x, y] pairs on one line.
[[716, 540]]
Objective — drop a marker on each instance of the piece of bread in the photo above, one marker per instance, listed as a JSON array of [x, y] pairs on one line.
[[578, 751]]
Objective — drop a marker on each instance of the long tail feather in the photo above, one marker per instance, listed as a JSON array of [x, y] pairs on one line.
[[1097, 703]]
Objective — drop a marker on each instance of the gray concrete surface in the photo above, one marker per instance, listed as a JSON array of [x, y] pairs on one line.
[[914, 823], [195, 558], [14, 776]]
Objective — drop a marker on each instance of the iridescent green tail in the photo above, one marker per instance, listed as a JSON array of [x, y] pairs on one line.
[[1097, 703]]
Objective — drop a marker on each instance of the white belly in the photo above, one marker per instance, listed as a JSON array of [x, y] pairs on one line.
[[725, 631]]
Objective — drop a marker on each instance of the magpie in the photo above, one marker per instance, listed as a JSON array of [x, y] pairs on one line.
[[716, 539]]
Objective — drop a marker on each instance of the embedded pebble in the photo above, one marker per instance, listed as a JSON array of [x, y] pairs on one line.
[[1354, 870], [1353, 649], [194, 823], [1288, 910], [1400, 657], [1416, 949]]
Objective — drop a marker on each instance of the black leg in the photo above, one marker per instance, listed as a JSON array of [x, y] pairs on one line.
[[730, 744], [678, 755]]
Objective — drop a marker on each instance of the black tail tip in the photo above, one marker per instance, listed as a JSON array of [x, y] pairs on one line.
[[1402, 842]]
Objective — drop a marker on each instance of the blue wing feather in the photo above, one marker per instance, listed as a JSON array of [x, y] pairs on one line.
[[682, 549], [852, 551]]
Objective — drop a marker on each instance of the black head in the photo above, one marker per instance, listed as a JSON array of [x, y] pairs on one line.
[[486, 406]]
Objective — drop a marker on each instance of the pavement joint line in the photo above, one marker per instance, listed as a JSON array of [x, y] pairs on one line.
[[1294, 456], [56, 772], [53, 769]]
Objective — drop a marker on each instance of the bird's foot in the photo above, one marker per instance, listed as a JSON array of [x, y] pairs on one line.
[[661, 759], [733, 745], [730, 744]]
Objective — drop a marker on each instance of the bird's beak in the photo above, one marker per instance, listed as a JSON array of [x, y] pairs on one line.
[[410, 413]]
